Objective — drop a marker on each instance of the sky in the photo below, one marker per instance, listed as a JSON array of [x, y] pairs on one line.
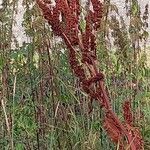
[[19, 31]]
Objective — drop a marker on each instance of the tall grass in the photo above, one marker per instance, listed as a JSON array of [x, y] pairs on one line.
[[42, 106]]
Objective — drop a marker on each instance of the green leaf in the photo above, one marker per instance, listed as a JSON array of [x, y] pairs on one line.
[[19, 146]]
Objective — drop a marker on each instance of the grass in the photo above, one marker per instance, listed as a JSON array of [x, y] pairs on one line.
[[42, 106]]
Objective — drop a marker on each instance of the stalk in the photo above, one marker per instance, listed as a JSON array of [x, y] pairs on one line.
[[83, 43]]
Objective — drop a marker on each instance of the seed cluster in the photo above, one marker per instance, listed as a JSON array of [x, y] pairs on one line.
[[64, 19]]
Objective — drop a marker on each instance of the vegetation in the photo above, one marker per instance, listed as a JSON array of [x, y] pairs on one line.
[[42, 104]]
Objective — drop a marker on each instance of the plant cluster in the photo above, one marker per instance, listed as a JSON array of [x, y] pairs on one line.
[[64, 19]]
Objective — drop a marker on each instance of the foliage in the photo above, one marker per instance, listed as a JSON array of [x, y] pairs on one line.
[[40, 97]]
